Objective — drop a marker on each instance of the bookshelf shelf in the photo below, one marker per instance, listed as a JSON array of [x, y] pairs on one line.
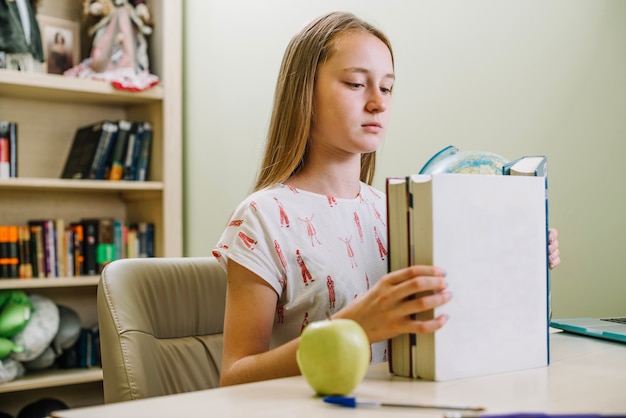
[[79, 185], [14, 84], [34, 284], [52, 378], [98, 186], [48, 109]]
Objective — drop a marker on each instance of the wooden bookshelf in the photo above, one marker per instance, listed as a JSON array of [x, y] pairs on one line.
[[52, 378], [32, 284], [48, 109]]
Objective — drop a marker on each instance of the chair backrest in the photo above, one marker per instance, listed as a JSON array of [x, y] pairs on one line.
[[161, 324]]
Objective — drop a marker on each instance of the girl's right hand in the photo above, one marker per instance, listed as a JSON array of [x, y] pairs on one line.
[[385, 310]]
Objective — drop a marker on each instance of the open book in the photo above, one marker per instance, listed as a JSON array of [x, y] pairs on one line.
[[489, 232]]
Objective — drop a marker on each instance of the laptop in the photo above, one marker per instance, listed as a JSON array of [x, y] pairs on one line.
[[613, 328]]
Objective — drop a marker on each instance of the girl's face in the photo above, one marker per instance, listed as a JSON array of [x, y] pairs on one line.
[[352, 96]]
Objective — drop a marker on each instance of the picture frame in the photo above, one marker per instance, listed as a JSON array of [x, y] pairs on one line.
[[61, 43]]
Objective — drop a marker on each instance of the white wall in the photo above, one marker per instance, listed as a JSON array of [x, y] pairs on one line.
[[509, 76]]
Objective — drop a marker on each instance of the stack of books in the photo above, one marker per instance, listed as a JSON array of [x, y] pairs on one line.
[[489, 232], [110, 150], [50, 248]]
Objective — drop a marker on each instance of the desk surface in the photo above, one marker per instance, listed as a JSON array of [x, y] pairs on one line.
[[585, 375]]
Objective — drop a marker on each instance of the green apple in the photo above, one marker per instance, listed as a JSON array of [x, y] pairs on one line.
[[333, 355]]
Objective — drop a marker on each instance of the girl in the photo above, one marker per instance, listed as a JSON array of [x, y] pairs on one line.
[[310, 241]]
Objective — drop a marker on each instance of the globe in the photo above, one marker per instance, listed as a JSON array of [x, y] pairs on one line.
[[451, 160]]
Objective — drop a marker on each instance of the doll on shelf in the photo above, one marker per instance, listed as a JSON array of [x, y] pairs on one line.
[[119, 52], [20, 38]]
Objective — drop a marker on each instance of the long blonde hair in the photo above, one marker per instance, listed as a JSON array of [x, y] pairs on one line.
[[290, 124]]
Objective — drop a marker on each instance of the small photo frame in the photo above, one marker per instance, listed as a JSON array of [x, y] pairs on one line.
[[61, 43]]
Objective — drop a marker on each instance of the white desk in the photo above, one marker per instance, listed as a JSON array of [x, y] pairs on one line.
[[585, 375]]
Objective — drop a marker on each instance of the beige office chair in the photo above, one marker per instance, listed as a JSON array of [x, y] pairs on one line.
[[161, 322]]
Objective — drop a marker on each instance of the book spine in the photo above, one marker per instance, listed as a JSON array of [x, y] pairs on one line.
[[146, 239], [109, 130], [4, 252], [5, 164], [12, 149], [132, 242], [105, 249], [119, 152], [142, 235], [46, 246], [136, 154], [421, 236], [61, 255], [69, 252], [144, 157], [118, 238], [50, 249], [13, 246], [79, 243], [36, 250], [131, 145], [400, 348], [90, 233], [80, 157], [26, 263]]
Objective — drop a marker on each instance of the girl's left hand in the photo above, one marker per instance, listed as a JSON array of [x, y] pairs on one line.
[[554, 258]]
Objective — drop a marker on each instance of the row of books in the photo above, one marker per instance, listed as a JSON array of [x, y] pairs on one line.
[[489, 233], [8, 149], [110, 150], [51, 248]]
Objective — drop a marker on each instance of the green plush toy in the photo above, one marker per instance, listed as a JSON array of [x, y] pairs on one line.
[[7, 347], [15, 312]]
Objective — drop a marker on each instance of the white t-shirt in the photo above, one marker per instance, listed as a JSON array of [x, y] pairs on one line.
[[317, 252]]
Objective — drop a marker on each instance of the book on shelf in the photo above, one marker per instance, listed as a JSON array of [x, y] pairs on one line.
[[14, 251], [105, 249], [90, 245], [25, 270], [46, 246], [145, 235], [89, 155], [119, 238], [140, 240], [61, 245], [68, 252], [133, 151], [82, 154], [4, 252], [8, 149], [10, 251], [37, 251], [78, 244], [118, 155], [106, 142], [53, 248], [110, 150], [489, 232], [128, 172], [143, 161]]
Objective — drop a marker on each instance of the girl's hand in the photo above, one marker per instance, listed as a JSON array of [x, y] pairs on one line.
[[554, 258], [385, 310]]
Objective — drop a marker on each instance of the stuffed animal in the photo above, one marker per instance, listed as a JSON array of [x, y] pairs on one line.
[[119, 51], [15, 312], [34, 332]]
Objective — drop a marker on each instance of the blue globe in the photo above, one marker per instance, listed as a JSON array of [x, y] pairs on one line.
[[451, 160]]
